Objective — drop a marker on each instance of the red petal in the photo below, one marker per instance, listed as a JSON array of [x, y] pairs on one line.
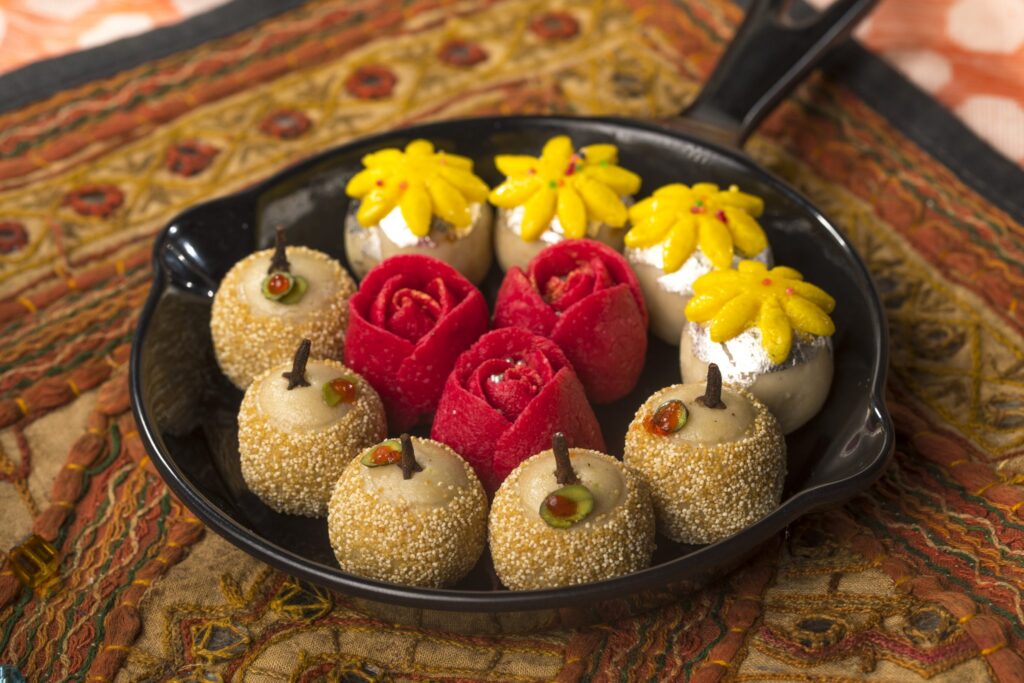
[[410, 377], [560, 407], [470, 426], [375, 353], [542, 363], [470, 414], [608, 266], [478, 379], [443, 294], [601, 321], [520, 305], [424, 372], [412, 313], [605, 338], [512, 391], [380, 303], [564, 281]]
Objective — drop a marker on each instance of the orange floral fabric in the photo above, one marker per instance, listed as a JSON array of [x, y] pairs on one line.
[[969, 54], [31, 30]]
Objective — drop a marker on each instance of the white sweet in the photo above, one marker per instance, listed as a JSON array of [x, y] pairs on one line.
[[302, 408], [710, 479], [602, 477], [251, 333], [322, 283], [794, 391], [292, 446], [428, 530], [667, 294], [616, 538], [512, 250], [441, 479], [468, 250], [711, 426]]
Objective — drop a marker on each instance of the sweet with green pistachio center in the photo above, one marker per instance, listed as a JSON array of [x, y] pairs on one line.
[[387, 453], [573, 501], [340, 390]]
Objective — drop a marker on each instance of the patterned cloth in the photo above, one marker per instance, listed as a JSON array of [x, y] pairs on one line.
[[921, 577], [968, 53]]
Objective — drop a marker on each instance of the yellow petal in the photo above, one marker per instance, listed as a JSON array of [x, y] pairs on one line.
[[376, 204], [537, 215], [363, 182], [816, 295], [602, 204], [734, 317], [448, 202], [674, 206], [460, 162], [704, 189], [621, 181], [715, 240], [776, 333], [471, 187], [755, 267], [750, 203], [416, 209], [676, 191], [747, 235], [383, 157], [557, 151], [808, 318], [419, 148], [571, 213], [641, 210], [726, 283], [680, 244], [514, 191], [514, 165], [595, 154], [785, 273], [649, 231], [703, 307]]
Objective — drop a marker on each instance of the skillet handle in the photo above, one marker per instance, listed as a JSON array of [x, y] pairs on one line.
[[768, 57]]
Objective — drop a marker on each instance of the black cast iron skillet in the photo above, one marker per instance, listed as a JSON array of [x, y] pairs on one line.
[[186, 410]]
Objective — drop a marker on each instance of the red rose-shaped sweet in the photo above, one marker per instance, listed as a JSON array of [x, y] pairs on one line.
[[411, 318], [505, 398], [584, 296]]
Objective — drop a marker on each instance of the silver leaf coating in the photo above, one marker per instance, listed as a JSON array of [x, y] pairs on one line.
[[743, 359], [681, 281], [395, 228], [512, 219]]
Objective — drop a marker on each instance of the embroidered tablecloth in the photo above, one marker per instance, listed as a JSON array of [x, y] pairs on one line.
[[921, 577], [967, 53]]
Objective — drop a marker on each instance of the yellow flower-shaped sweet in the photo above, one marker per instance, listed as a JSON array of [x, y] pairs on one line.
[[421, 182], [576, 186], [681, 218], [777, 301]]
